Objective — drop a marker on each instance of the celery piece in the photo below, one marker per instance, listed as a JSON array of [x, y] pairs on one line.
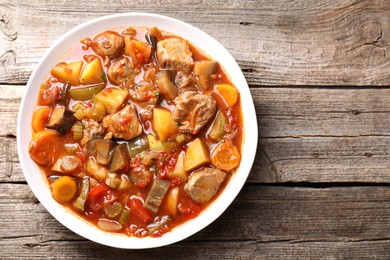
[[80, 201]]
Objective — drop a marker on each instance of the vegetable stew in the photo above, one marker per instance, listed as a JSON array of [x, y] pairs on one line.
[[136, 130]]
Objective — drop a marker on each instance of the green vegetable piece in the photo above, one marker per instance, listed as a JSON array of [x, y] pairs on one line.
[[138, 145], [78, 131], [87, 93], [159, 223], [113, 211], [80, 201], [124, 217], [217, 128]]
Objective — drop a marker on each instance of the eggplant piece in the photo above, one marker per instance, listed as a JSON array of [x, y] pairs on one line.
[[151, 40], [120, 157], [64, 93], [205, 67], [165, 85], [61, 120], [156, 194], [103, 148]]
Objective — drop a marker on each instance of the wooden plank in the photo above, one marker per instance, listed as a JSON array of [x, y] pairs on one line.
[[306, 135], [282, 112], [262, 219], [280, 160], [275, 42], [27, 248]]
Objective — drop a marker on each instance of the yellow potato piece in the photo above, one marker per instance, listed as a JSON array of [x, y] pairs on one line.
[[179, 168], [112, 99], [68, 72], [163, 123], [196, 155], [93, 72], [158, 146]]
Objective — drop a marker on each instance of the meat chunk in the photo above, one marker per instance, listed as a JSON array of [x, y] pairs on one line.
[[124, 123], [91, 129], [144, 94], [122, 72], [193, 111], [108, 44], [203, 184], [175, 54], [184, 82]]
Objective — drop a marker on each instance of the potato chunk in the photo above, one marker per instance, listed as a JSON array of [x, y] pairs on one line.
[[93, 72], [196, 155], [68, 72], [112, 99], [163, 123]]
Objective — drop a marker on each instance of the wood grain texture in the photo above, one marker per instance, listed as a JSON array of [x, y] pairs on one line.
[[306, 135], [293, 221], [319, 76], [285, 42]]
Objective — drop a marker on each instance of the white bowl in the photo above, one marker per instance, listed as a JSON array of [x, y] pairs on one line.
[[37, 180]]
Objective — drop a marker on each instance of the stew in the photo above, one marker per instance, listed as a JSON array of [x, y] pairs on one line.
[[136, 130]]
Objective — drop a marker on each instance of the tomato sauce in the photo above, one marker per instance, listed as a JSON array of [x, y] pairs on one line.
[[100, 189]]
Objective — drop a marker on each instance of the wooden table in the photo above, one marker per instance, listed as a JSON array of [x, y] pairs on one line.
[[319, 73]]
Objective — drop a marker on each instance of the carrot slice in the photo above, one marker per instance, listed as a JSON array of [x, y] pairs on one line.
[[225, 157], [40, 118], [45, 146], [228, 93], [64, 188]]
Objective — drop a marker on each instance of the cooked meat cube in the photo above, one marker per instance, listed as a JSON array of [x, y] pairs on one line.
[[193, 111], [140, 176], [124, 123], [144, 94], [203, 184], [175, 54], [122, 72], [108, 44], [184, 82], [91, 129]]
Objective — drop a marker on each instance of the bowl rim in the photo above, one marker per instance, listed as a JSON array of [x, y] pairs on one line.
[[190, 227]]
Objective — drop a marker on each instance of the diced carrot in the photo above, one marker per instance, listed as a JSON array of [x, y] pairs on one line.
[[40, 118], [225, 157], [228, 93], [64, 188], [45, 146]]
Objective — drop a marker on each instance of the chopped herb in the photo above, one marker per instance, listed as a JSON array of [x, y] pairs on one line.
[[179, 124], [156, 93], [104, 77], [155, 169]]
